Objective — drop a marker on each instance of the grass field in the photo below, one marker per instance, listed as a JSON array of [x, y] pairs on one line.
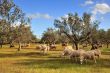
[[31, 60]]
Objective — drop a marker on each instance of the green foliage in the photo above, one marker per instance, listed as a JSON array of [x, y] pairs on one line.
[[50, 36], [77, 29], [108, 34], [10, 15]]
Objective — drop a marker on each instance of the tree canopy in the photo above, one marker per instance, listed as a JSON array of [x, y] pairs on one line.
[[76, 28]]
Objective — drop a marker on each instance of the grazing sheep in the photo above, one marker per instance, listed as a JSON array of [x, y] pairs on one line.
[[12, 46], [52, 47], [76, 54], [27, 45], [97, 52], [87, 55], [67, 50], [43, 48], [23, 45], [94, 46], [38, 47], [64, 44]]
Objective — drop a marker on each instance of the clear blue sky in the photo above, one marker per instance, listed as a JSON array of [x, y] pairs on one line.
[[43, 12]]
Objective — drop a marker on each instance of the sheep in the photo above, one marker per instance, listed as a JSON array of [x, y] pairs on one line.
[[76, 54], [64, 44], [12, 46], [27, 45], [52, 46], [67, 50], [87, 55], [94, 46], [43, 48], [38, 47], [97, 52], [90, 55]]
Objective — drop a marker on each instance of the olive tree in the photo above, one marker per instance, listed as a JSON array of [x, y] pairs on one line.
[[107, 39], [76, 28], [50, 36], [10, 13]]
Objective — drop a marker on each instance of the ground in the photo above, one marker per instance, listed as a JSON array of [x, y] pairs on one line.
[[30, 60]]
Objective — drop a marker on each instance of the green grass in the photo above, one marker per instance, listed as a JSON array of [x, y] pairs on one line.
[[33, 61]]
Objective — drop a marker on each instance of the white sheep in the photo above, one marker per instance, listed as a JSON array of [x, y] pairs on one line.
[[87, 55], [97, 52], [52, 47], [67, 50], [44, 48], [76, 54]]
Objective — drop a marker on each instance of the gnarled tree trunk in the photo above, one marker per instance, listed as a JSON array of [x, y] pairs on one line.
[[76, 46], [1, 43], [19, 46], [107, 45]]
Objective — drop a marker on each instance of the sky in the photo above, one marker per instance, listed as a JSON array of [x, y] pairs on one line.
[[43, 12]]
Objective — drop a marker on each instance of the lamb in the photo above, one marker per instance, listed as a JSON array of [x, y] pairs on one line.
[[67, 50], [87, 55]]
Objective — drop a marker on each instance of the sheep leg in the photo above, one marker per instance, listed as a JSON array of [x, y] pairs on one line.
[[74, 59], [71, 60], [43, 51], [94, 59], [98, 56], [86, 61], [81, 60]]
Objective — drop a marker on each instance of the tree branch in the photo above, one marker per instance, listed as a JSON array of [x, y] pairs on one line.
[[69, 36]]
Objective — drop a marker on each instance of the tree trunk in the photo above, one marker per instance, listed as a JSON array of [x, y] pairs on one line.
[[76, 45], [107, 45], [11, 44], [19, 46], [92, 48], [73, 45], [1, 43]]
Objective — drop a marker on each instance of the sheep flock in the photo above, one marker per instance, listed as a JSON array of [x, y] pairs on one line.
[[79, 55]]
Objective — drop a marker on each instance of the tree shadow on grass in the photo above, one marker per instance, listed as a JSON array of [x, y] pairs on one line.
[[103, 63], [53, 61], [56, 63], [106, 53], [30, 54], [46, 63]]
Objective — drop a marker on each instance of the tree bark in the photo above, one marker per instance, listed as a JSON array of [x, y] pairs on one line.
[[107, 45], [11, 44], [19, 46], [73, 45], [92, 48], [1, 43], [76, 45]]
